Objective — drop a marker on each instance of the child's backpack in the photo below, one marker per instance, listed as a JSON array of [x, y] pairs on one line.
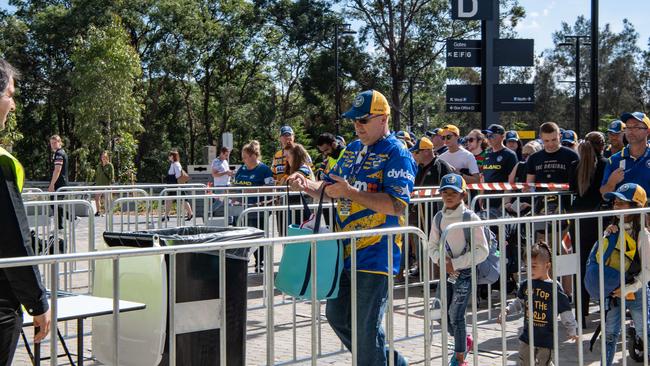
[[611, 265], [487, 272]]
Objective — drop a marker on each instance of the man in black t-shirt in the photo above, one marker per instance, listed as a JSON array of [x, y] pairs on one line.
[[59, 171], [59, 164], [550, 165]]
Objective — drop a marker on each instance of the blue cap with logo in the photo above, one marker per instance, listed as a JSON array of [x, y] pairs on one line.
[[369, 102], [639, 116], [512, 136], [453, 181], [617, 126], [569, 137], [629, 192], [286, 130]]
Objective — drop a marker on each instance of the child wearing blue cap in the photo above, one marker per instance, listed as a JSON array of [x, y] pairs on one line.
[[459, 252], [636, 267]]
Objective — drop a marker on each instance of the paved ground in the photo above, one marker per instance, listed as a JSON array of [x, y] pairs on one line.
[[292, 331]]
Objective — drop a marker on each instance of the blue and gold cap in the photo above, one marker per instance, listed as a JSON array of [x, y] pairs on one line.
[[639, 116], [629, 192], [453, 181], [369, 102], [617, 126], [569, 136]]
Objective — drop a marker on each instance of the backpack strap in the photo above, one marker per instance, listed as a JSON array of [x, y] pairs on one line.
[[467, 232], [467, 216]]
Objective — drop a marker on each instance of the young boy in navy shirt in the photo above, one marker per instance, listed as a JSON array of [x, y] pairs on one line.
[[542, 289]]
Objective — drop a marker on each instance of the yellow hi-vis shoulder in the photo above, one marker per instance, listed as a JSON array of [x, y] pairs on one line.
[[16, 167], [331, 162]]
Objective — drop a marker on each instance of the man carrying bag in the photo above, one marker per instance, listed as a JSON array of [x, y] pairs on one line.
[[372, 182]]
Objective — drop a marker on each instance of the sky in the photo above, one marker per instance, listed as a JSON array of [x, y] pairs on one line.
[[543, 17]]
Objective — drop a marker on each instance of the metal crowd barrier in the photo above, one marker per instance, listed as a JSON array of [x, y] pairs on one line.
[[151, 188], [44, 222], [558, 269], [130, 208], [108, 195], [495, 202], [116, 255]]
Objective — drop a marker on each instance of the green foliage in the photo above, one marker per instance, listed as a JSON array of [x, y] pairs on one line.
[[11, 134], [106, 108]]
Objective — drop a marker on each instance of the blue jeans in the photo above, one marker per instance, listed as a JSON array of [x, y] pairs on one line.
[[458, 295], [613, 320], [372, 292]]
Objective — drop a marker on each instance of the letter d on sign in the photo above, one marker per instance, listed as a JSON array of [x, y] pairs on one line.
[[467, 14], [472, 9]]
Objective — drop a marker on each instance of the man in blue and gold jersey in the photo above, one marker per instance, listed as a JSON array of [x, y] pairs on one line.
[[372, 182]]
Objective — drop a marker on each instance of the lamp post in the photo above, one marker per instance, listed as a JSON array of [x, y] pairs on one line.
[[411, 82], [595, 118], [340, 29], [576, 42]]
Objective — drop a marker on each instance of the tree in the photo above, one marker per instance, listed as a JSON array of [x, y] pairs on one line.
[[105, 106], [411, 35]]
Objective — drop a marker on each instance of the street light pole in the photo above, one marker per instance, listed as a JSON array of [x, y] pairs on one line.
[[595, 118], [337, 95], [337, 91], [411, 83], [576, 107]]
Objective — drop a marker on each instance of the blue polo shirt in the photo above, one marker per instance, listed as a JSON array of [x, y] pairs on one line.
[[636, 170], [386, 166]]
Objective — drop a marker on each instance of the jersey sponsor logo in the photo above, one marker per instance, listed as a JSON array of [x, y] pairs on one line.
[[366, 187], [492, 167], [362, 186], [393, 173]]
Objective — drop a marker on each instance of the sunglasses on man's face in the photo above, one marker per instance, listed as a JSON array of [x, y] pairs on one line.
[[365, 120], [471, 139], [448, 137]]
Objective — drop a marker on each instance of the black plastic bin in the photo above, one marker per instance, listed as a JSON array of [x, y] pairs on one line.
[[197, 279]]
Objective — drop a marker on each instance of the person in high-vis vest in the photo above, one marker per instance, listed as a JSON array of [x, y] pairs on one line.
[[18, 285], [332, 150]]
